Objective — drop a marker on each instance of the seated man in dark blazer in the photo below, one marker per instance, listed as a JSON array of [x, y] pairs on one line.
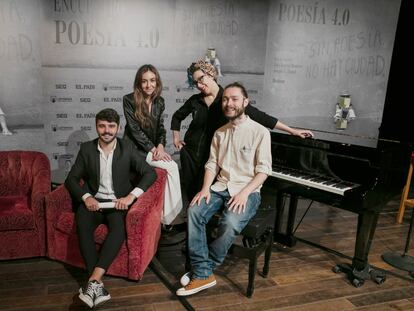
[[104, 164]]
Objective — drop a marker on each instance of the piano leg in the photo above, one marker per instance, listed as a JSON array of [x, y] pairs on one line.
[[360, 270], [286, 238], [367, 222]]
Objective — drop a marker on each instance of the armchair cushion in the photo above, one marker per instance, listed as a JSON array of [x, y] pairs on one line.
[[15, 214], [9, 203]]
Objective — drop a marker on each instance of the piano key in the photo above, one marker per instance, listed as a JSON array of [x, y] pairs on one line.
[[325, 183], [330, 182]]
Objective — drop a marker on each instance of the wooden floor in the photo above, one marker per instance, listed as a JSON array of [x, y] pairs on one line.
[[300, 278]]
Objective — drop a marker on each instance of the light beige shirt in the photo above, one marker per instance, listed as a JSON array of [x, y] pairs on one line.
[[238, 153]]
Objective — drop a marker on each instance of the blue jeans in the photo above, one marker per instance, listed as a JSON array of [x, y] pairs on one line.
[[205, 259]]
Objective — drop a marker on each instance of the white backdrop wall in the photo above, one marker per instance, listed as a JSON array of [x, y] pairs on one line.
[[63, 60]]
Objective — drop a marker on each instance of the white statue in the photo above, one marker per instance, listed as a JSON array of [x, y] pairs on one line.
[[344, 112], [212, 58], [5, 130]]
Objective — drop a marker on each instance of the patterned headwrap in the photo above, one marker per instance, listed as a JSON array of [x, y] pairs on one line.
[[205, 67]]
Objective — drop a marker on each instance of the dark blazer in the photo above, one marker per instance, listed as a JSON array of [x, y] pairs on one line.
[[126, 159], [145, 138]]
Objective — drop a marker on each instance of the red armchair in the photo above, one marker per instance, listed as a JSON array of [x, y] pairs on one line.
[[142, 225], [24, 183]]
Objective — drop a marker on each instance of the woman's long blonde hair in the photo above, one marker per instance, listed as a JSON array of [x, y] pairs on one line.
[[141, 108]]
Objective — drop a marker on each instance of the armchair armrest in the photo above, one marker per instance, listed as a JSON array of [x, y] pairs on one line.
[[40, 188], [143, 223], [58, 201]]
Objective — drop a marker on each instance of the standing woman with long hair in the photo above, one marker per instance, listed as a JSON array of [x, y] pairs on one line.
[[143, 111]]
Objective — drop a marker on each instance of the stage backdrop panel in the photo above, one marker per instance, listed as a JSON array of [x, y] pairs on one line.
[[171, 34], [319, 50], [20, 79]]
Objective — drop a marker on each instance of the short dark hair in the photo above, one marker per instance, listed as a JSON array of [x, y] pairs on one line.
[[238, 85], [107, 114]]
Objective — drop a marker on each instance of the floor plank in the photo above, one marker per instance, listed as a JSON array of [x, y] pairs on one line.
[[300, 278]]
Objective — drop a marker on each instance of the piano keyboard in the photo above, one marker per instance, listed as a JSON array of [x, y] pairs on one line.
[[320, 182]]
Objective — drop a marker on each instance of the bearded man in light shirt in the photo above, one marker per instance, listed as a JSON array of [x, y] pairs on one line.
[[240, 161]]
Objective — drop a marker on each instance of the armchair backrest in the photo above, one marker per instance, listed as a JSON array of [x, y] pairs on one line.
[[24, 173]]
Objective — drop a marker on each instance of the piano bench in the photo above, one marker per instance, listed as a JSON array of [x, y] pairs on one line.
[[257, 237]]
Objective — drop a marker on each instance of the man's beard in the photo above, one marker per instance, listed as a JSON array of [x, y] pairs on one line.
[[111, 139], [239, 112]]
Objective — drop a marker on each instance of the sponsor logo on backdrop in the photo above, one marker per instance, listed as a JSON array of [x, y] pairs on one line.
[[85, 115], [107, 87], [86, 128], [55, 99], [60, 86], [252, 92], [61, 115], [112, 99], [85, 99], [85, 86], [57, 156], [184, 89], [62, 143], [56, 128], [180, 100], [165, 88]]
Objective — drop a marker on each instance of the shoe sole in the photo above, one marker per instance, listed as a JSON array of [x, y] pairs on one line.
[[196, 290], [101, 302], [87, 300]]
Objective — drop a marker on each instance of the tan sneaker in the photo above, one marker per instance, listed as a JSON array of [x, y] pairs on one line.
[[197, 285]]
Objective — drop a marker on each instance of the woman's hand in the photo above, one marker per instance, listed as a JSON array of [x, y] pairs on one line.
[[302, 133], [178, 144], [160, 155]]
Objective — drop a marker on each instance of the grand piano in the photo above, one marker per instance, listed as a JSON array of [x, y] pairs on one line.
[[354, 178]]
